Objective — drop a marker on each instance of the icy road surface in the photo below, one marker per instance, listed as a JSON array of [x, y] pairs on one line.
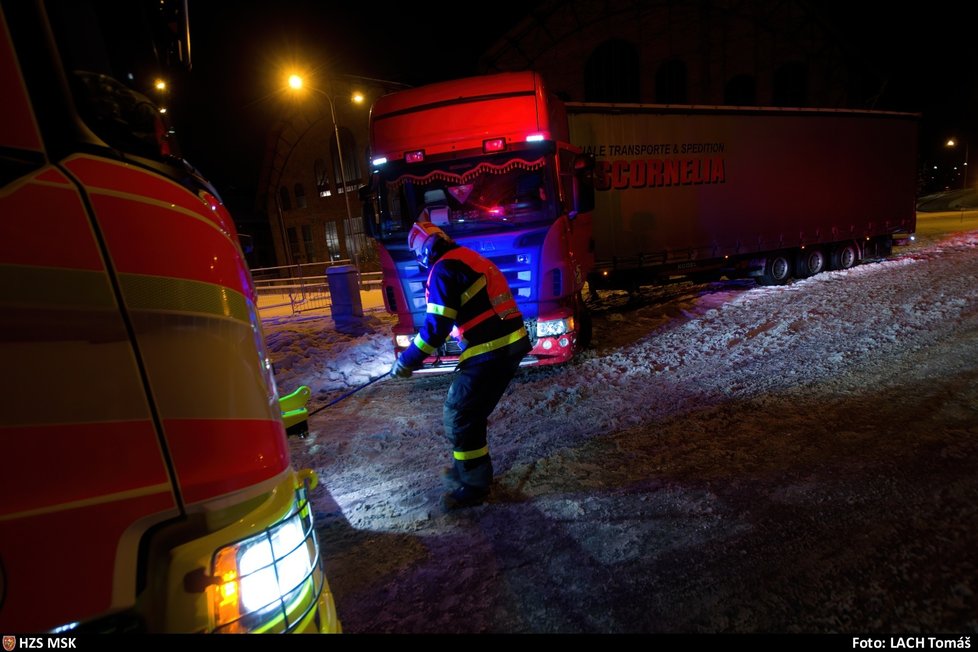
[[726, 458]]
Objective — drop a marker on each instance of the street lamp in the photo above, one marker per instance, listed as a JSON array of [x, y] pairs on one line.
[[953, 143], [296, 84]]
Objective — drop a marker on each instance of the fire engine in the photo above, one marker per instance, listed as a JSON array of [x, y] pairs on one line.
[[146, 481]]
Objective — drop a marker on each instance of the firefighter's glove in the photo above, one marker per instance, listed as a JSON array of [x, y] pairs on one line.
[[401, 370]]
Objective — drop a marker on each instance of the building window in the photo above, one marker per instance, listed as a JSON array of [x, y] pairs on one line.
[[284, 201], [351, 162], [294, 245], [670, 83], [307, 242], [322, 178], [332, 241], [354, 236], [791, 85], [300, 196], [740, 90], [611, 73]]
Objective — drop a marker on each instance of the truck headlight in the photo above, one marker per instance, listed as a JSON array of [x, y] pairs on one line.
[[269, 581], [555, 327]]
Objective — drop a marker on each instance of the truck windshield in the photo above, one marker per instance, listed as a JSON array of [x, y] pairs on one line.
[[503, 192]]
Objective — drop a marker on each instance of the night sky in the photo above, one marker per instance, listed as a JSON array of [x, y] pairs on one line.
[[239, 49], [229, 100]]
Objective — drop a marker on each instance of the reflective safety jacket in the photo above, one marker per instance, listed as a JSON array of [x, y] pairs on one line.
[[468, 292]]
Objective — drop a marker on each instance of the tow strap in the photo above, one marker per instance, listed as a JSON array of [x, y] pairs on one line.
[[349, 393]]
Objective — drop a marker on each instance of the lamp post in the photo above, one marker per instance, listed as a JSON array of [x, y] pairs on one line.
[[953, 143], [296, 84]]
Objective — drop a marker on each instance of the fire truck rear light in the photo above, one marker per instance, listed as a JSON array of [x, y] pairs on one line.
[[414, 157], [494, 145]]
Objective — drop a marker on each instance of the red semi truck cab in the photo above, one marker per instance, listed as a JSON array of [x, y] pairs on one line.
[[488, 160], [146, 483]]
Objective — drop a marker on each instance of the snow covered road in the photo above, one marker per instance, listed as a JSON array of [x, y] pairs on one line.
[[726, 458]]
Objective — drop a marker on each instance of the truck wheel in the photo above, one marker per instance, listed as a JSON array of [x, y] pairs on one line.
[[844, 256], [810, 262], [777, 270]]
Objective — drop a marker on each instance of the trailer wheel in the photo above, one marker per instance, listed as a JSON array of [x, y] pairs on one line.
[[777, 270], [844, 256], [810, 262]]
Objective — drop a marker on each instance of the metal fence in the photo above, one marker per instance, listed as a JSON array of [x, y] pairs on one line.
[[300, 288]]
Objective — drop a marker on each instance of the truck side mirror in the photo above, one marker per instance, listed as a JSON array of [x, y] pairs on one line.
[[583, 188]]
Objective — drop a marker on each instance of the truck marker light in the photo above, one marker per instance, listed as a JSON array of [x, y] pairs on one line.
[[67, 627], [380, 160], [414, 157], [534, 138], [494, 145]]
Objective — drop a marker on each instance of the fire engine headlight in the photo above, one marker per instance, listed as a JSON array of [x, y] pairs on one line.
[[555, 327], [269, 581], [402, 341]]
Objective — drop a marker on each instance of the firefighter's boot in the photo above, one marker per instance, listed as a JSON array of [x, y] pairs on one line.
[[464, 496], [450, 479]]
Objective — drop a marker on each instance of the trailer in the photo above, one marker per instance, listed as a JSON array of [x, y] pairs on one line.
[[695, 191]]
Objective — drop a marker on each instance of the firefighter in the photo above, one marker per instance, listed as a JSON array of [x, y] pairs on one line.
[[467, 292]]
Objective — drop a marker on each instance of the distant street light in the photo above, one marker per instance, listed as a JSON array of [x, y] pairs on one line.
[[952, 144], [296, 83]]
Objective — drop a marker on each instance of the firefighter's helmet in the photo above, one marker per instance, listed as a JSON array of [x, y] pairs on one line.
[[427, 242]]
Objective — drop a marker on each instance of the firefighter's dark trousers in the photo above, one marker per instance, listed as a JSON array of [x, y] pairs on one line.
[[476, 389]]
